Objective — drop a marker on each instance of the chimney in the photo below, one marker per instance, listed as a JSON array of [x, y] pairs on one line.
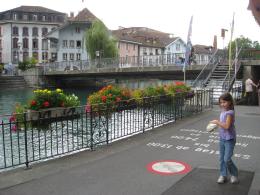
[[215, 42], [71, 14]]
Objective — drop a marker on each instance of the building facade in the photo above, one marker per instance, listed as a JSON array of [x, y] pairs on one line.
[[23, 30], [67, 43], [148, 43]]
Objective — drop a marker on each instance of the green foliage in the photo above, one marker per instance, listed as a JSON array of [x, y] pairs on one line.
[[1, 67], [98, 39], [246, 44], [50, 99], [27, 64]]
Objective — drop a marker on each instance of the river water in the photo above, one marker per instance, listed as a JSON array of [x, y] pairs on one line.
[[9, 97]]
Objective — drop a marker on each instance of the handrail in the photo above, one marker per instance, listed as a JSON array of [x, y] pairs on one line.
[[231, 81], [203, 69]]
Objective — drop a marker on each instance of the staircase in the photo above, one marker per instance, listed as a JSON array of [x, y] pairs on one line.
[[7, 82]]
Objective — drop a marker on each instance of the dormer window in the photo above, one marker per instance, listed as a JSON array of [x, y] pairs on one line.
[[25, 17], [34, 17], [15, 16]]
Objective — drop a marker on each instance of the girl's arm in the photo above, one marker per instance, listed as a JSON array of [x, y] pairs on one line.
[[226, 125]]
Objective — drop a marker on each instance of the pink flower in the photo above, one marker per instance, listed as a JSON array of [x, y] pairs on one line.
[[88, 108]]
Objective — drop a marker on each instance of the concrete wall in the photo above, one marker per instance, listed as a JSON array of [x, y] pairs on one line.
[[33, 77]]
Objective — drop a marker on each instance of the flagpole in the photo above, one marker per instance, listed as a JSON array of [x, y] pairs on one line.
[[188, 50]]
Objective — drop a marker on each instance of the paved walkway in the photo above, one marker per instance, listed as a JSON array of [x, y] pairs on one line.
[[121, 167]]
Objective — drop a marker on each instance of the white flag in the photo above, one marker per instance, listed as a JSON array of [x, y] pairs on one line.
[[188, 46]]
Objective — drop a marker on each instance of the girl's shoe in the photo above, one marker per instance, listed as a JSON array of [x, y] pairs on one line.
[[221, 179], [233, 179]]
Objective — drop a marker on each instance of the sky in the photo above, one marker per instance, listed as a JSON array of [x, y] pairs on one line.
[[170, 16]]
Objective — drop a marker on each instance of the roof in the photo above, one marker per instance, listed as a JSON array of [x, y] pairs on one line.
[[203, 49], [144, 36], [84, 16], [34, 9]]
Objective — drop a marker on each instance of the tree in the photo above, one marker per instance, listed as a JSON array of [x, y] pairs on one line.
[[98, 41], [245, 44]]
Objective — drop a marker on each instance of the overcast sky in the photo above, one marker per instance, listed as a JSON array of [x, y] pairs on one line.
[[171, 16]]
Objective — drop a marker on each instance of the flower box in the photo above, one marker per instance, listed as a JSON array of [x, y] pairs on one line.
[[52, 114]]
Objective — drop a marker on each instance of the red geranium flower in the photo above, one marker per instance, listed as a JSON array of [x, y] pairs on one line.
[[33, 103], [104, 98], [46, 104], [118, 99]]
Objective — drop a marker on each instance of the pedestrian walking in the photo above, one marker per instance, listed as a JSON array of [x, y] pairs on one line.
[[227, 139], [249, 91]]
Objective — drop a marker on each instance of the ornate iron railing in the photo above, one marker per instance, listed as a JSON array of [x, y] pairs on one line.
[[25, 138]]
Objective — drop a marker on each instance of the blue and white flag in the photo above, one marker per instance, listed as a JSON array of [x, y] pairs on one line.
[[188, 46]]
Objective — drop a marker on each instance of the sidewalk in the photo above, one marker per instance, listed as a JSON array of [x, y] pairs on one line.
[[121, 167]]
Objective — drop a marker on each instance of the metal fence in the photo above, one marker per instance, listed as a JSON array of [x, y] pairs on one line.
[[36, 136]]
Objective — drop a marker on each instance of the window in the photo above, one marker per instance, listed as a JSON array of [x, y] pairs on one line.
[[156, 52], [44, 44], [35, 55], [78, 44], [44, 31], [126, 46], [134, 47], [72, 45], [118, 45], [15, 56], [35, 31], [144, 51], [44, 56], [15, 31], [178, 47], [71, 56], [65, 56], [35, 44], [0, 43], [43, 18], [15, 43], [77, 30], [25, 43], [0, 31], [1, 57], [34, 17], [25, 56], [53, 44], [25, 31], [78, 56], [15, 17], [64, 43], [25, 17]]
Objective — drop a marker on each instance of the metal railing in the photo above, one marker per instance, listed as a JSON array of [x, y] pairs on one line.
[[120, 63], [207, 70], [37, 136]]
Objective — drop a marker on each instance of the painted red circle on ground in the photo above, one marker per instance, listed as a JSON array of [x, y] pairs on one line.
[[168, 167]]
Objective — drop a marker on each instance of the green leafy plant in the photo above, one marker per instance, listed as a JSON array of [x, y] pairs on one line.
[[27, 64]]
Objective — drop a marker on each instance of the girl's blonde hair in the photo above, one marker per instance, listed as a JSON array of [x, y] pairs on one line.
[[227, 97]]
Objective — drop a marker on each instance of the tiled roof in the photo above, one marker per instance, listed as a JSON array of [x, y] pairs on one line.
[[85, 16], [144, 36], [34, 9], [203, 49]]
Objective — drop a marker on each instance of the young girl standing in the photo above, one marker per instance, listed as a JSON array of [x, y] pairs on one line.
[[227, 142]]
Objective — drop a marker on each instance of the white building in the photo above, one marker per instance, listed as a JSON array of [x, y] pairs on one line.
[[67, 41], [22, 32]]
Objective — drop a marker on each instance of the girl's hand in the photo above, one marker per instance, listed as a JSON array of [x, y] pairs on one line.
[[215, 122]]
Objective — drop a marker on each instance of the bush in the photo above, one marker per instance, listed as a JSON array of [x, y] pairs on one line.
[[27, 64], [1, 68]]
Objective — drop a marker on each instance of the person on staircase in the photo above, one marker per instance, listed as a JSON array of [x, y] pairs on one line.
[[249, 91]]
